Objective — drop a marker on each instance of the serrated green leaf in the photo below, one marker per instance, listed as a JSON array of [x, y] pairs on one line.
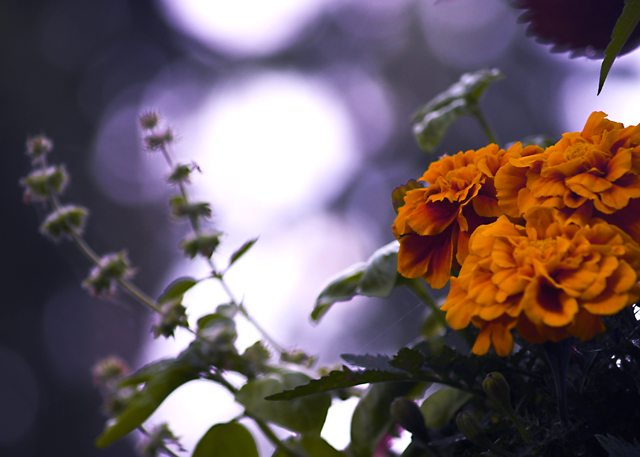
[[311, 446], [409, 360], [226, 440], [338, 380], [433, 120], [625, 26], [342, 287], [440, 407], [372, 418], [156, 389], [381, 272], [302, 415], [241, 251], [372, 362], [176, 289]]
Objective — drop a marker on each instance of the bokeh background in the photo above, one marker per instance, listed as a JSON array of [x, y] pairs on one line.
[[297, 112]]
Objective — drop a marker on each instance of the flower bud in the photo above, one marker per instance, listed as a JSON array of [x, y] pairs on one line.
[[108, 370], [407, 415], [149, 120], [181, 173], [497, 389], [41, 184], [158, 141], [156, 441], [173, 316], [203, 243], [298, 357], [66, 221], [181, 208], [38, 147], [102, 279], [470, 427]]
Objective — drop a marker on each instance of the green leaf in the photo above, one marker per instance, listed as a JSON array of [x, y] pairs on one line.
[[146, 372], [398, 194], [226, 440], [372, 418], [617, 447], [311, 446], [338, 380], [372, 362], [176, 289], [625, 26], [381, 273], [241, 251], [342, 287], [156, 389], [441, 406], [300, 415], [433, 120]]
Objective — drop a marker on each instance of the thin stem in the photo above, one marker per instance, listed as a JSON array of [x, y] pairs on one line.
[[477, 113], [418, 288], [195, 225]]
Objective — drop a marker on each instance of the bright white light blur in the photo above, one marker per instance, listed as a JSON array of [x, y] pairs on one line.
[[270, 145], [249, 27], [617, 99]]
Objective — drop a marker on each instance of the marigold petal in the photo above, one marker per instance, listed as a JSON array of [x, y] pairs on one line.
[[508, 182], [486, 206], [547, 305], [585, 325], [427, 256], [433, 218], [619, 165], [457, 306]]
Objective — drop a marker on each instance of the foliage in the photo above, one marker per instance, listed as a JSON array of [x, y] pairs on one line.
[[557, 399]]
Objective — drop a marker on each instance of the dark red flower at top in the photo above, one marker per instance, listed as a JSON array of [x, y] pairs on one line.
[[582, 27]]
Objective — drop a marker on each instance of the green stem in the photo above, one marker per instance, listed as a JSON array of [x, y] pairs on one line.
[[477, 113], [418, 288], [195, 225]]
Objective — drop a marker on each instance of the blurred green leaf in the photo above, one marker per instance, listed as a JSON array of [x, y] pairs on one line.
[[176, 289], [380, 275], [440, 407], [156, 389], [146, 372], [226, 440], [311, 446], [342, 287], [301, 415], [433, 120], [372, 416], [625, 26], [398, 194], [241, 251], [338, 380], [374, 278]]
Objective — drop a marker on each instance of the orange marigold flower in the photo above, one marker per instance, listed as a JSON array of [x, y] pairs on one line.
[[550, 278], [435, 222], [593, 173]]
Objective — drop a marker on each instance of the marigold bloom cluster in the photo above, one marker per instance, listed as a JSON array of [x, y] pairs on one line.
[[544, 238]]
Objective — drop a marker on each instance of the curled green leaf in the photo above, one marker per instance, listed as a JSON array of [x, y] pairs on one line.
[[433, 120]]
